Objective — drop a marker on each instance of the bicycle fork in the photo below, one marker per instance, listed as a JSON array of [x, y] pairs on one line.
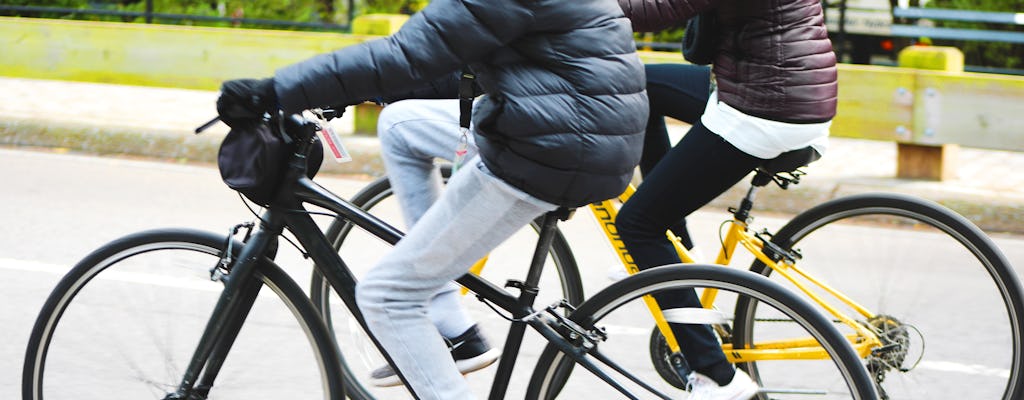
[[241, 286]]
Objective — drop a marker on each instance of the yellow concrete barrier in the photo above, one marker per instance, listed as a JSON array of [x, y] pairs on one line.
[[908, 105], [153, 55], [365, 117], [378, 24]]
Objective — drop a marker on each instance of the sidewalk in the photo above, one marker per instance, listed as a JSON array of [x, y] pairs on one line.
[[158, 123]]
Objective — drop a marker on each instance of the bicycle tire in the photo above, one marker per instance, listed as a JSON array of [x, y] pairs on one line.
[[944, 367], [151, 267], [554, 369], [374, 194]]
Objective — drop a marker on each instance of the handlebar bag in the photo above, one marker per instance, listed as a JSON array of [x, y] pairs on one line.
[[253, 159]]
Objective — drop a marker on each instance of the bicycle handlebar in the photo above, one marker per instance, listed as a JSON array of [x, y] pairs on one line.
[[207, 125], [327, 113]]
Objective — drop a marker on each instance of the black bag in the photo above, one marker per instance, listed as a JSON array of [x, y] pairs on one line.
[[700, 42], [252, 160]]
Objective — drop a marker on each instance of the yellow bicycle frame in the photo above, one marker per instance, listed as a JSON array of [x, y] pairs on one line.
[[863, 341]]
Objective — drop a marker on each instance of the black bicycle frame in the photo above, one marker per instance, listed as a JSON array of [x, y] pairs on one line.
[[288, 211]]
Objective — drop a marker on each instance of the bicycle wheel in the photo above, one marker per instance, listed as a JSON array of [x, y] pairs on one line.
[[360, 250], [946, 303], [125, 322], [620, 312]]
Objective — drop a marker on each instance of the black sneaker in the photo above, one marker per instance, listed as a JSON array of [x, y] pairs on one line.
[[470, 351]]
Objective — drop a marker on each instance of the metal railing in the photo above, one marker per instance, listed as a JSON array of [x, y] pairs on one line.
[[988, 35]]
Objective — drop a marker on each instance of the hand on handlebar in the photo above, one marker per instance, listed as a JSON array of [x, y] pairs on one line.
[[243, 102]]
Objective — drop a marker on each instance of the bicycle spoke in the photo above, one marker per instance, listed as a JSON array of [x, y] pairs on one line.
[[930, 280], [625, 372], [620, 311], [129, 318]]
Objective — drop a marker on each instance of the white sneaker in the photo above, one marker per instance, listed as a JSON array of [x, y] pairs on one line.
[[704, 388], [617, 273]]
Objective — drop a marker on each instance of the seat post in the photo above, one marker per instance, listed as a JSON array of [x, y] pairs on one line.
[[760, 179], [548, 224]]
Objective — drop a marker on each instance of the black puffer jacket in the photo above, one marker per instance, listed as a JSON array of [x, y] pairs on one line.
[[565, 109], [774, 59]]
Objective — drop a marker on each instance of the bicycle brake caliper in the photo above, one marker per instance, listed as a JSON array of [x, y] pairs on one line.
[[574, 333], [776, 252], [223, 267]]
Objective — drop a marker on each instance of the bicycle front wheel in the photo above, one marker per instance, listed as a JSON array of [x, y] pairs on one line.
[[360, 250], [620, 313], [937, 291], [126, 320]]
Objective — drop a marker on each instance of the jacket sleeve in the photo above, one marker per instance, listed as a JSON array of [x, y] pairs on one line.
[[445, 87], [656, 15], [437, 41]]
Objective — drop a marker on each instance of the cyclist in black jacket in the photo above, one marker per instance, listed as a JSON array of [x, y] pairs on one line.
[[561, 124]]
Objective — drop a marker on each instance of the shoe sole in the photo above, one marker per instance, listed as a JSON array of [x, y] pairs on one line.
[[465, 366]]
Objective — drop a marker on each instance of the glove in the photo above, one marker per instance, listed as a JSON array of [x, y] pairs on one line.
[[243, 102]]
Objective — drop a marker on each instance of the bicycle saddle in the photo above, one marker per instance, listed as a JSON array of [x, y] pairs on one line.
[[790, 160], [783, 169]]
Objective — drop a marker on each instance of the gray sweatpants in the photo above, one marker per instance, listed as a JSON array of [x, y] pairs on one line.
[[473, 215], [413, 133]]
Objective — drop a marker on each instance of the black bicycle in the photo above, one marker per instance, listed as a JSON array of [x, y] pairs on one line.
[[185, 314]]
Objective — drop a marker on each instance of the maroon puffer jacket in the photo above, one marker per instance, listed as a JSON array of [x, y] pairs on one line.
[[775, 60]]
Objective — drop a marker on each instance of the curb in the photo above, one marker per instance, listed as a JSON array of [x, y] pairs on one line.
[[163, 144], [992, 212]]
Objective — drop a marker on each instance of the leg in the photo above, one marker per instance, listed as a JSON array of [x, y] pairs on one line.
[[697, 170], [413, 133], [677, 91], [474, 214]]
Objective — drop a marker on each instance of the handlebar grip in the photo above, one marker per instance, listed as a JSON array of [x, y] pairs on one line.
[[207, 125]]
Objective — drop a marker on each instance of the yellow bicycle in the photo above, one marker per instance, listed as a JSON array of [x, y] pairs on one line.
[[925, 297]]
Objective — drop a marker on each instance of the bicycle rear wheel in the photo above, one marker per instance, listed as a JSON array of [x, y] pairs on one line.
[[947, 304], [360, 250], [620, 312], [126, 320]]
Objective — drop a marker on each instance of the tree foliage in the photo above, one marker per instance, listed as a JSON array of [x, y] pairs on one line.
[[303, 11], [45, 3], [986, 54], [392, 6]]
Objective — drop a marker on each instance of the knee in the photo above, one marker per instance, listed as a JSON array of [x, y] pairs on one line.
[[632, 223], [386, 290], [370, 298], [389, 123]]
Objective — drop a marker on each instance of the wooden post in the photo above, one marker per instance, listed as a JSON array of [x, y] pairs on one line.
[[927, 161], [365, 117]]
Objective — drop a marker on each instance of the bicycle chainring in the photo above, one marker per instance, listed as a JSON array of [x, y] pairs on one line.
[[661, 358]]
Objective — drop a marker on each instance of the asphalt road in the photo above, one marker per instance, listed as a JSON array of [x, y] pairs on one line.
[[58, 207]]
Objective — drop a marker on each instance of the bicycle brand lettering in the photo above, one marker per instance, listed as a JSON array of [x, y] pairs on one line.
[[605, 215]]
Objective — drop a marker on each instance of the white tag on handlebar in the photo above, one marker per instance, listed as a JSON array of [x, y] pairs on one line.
[[332, 143]]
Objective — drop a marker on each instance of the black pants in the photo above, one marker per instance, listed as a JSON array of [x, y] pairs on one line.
[[677, 91], [688, 176]]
